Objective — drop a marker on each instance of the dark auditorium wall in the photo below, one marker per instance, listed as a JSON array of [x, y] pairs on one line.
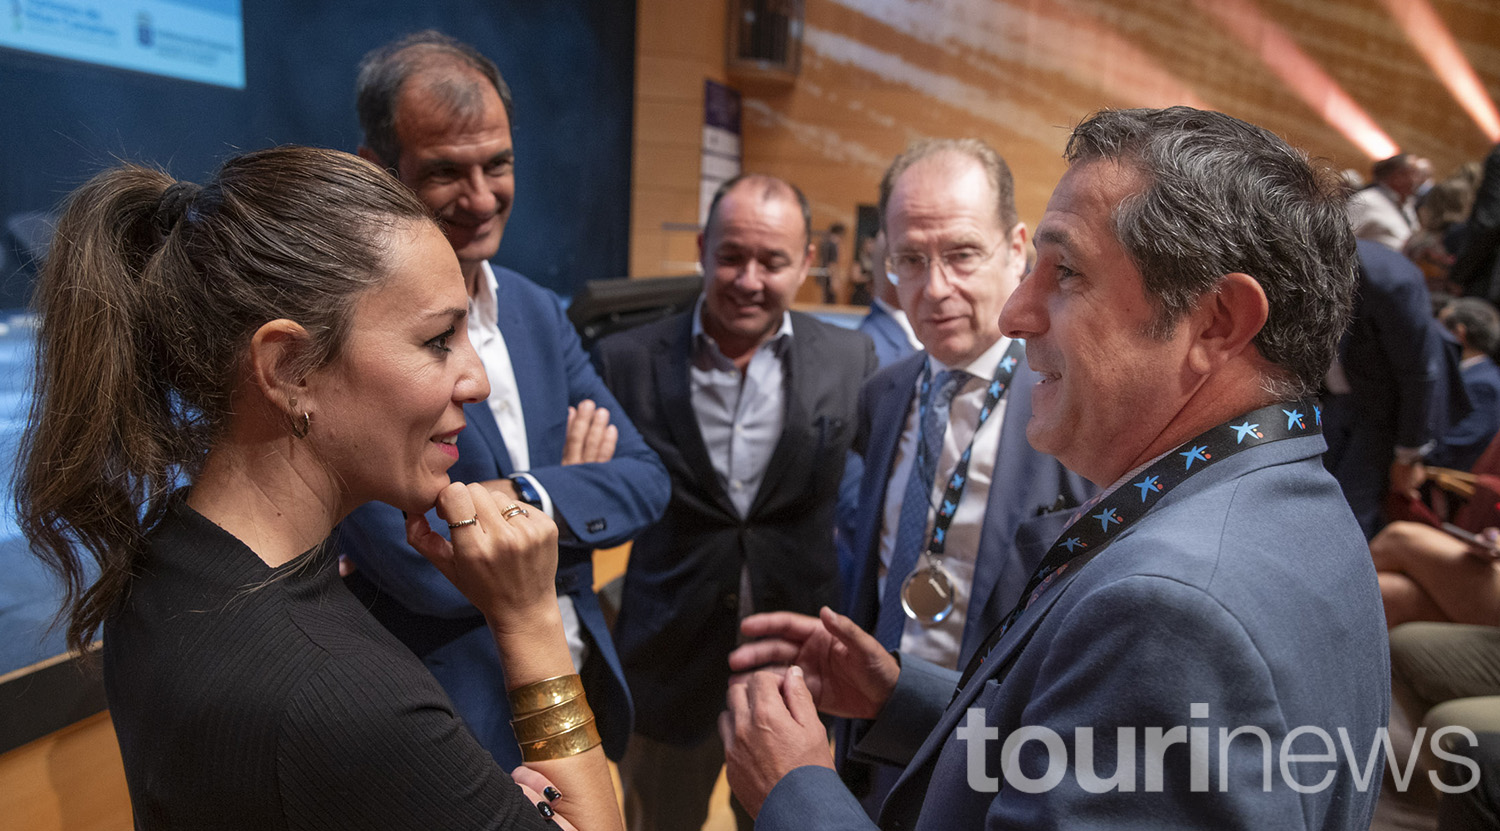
[[570, 63]]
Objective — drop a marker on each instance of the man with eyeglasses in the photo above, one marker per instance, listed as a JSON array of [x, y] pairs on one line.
[[948, 473]]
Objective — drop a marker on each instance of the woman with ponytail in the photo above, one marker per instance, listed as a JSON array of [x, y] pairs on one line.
[[290, 341]]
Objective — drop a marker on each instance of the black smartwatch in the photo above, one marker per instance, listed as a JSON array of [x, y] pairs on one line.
[[526, 491]]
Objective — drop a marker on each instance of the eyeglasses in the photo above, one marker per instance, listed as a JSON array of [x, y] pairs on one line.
[[960, 263]]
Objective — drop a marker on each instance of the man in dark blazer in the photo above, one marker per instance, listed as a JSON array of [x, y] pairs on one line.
[[940, 197], [1216, 608], [752, 409], [545, 435], [1477, 267], [1389, 388]]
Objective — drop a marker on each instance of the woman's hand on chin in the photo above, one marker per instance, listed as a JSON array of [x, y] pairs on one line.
[[502, 557]]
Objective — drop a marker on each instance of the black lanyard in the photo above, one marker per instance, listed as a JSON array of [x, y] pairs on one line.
[[1092, 530], [1004, 372]]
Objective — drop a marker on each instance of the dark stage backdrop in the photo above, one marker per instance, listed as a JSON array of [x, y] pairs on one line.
[[570, 64]]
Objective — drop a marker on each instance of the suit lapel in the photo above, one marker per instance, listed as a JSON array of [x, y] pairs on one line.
[[891, 405], [540, 402], [791, 449], [673, 387], [482, 422]]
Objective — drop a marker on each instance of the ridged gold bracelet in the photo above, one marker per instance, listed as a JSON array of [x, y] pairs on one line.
[[552, 721], [548, 692], [567, 743]]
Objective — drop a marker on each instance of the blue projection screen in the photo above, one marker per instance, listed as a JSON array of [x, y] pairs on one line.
[[197, 40]]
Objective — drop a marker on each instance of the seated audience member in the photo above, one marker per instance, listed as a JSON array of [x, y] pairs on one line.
[[291, 338], [1386, 211], [1220, 581], [1428, 574], [1439, 212], [1476, 325], [1447, 675]]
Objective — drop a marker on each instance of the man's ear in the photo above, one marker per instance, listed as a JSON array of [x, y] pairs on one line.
[[1015, 244], [808, 257], [1227, 320], [276, 350]]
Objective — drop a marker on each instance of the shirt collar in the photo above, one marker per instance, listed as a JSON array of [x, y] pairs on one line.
[[982, 366], [484, 309], [704, 343]]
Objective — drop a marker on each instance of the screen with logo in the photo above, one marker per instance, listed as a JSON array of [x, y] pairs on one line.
[[196, 40]]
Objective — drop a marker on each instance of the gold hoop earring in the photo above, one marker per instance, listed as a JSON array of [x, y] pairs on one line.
[[300, 430]]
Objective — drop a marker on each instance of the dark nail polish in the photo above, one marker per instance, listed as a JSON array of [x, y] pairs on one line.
[[545, 809], [552, 794]]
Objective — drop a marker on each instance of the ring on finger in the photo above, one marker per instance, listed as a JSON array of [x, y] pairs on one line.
[[513, 510], [465, 522]]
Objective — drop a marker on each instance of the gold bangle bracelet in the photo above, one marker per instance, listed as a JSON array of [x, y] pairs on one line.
[[568, 743], [546, 693], [552, 721]]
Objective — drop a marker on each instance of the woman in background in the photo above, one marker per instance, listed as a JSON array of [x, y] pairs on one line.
[[291, 340]]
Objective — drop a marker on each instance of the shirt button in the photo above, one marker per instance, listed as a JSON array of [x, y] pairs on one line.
[[736, 484]]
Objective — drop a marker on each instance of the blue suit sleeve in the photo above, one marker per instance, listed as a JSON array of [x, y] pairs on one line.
[[1462, 445], [812, 797], [922, 693], [374, 537], [604, 503]]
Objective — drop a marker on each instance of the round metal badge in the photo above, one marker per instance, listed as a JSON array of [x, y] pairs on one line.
[[927, 594]]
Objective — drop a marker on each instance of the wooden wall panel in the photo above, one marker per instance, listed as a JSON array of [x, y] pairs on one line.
[[71, 780], [679, 44], [877, 74]]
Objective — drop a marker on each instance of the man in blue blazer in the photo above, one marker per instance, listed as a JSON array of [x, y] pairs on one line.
[[1203, 647], [437, 113], [886, 322], [1476, 325], [937, 198]]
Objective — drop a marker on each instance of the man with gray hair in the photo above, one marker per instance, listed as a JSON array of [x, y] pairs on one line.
[[1214, 609], [437, 114]]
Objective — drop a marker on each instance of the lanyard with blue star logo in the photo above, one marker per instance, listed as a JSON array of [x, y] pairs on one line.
[[927, 594], [1089, 533]]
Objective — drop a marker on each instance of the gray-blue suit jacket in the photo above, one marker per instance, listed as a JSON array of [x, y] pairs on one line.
[[1247, 589]]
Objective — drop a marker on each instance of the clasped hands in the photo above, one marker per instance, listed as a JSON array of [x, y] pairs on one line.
[[806, 665]]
